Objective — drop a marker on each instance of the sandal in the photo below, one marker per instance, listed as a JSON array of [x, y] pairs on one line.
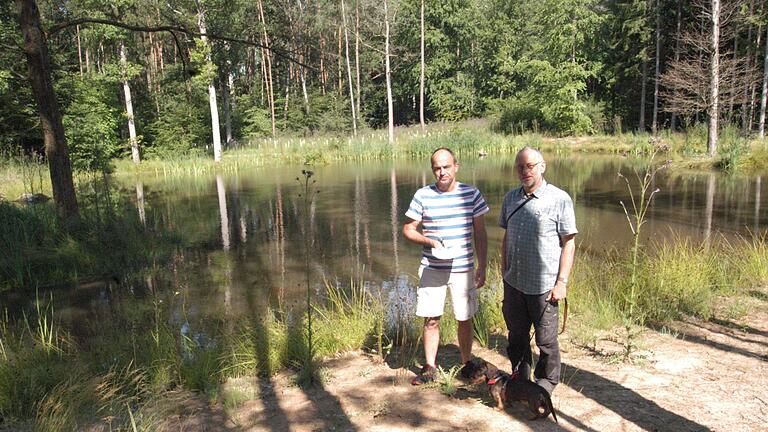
[[425, 375]]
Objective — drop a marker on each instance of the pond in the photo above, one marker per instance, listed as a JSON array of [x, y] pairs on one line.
[[250, 230]]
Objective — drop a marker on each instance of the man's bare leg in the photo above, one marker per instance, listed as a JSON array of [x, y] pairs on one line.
[[431, 340], [466, 337]]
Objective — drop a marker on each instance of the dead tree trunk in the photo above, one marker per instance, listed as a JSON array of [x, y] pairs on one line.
[[39, 69]]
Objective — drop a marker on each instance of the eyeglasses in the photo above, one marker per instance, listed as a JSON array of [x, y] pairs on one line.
[[528, 166]]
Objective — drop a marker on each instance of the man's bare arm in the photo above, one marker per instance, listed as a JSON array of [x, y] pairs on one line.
[[411, 232], [566, 264], [481, 249]]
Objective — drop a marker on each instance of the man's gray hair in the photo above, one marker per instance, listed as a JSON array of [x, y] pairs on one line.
[[527, 149]]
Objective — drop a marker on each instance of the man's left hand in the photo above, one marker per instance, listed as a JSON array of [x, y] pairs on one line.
[[558, 292], [479, 278]]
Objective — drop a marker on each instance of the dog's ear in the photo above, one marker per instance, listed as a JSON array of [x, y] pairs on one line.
[[491, 370]]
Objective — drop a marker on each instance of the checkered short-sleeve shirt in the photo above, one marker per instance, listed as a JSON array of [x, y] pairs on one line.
[[533, 236]]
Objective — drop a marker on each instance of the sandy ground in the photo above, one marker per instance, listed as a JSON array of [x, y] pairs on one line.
[[695, 376]]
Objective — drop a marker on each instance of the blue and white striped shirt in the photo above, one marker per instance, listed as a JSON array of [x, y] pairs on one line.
[[448, 216]]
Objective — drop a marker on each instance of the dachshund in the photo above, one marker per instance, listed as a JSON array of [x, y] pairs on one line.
[[506, 387]]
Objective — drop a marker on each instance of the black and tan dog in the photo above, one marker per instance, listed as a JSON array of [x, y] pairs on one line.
[[505, 387]]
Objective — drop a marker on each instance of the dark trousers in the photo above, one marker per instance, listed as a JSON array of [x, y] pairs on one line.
[[520, 311]]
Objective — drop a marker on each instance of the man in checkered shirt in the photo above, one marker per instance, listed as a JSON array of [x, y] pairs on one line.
[[536, 260]]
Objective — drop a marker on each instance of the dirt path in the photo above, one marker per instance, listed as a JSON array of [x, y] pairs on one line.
[[696, 376]]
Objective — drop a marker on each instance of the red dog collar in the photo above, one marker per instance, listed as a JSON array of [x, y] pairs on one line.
[[496, 379]]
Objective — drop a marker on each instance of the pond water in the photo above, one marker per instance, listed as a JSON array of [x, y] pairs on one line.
[[250, 229]]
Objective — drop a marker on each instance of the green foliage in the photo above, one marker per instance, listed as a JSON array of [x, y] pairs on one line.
[[256, 121], [183, 124], [91, 125]]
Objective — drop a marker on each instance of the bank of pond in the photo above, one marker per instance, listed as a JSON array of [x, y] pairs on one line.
[[182, 282]]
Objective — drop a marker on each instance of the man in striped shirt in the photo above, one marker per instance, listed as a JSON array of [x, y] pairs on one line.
[[450, 213]]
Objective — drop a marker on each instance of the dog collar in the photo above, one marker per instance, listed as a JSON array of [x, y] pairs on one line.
[[493, 381]]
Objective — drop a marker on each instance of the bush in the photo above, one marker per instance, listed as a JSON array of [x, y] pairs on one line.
[[518, 116], [91, 126]]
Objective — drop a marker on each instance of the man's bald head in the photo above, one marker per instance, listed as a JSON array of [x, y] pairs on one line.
[[443, 150]]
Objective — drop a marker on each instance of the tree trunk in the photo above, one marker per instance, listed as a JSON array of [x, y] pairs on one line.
[[79, 52], [764, 95], [679, 21], [421, 71], [211, 96], [654, 123], [339, 73], [323, 77], [349, 68], [714, 81], [129, 108], [746, 112], [39, 69], [267, 59], [225, 96], [643, 87], [357, 55], [388, 72]]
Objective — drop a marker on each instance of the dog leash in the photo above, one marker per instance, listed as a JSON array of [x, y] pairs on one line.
[[565, 316]]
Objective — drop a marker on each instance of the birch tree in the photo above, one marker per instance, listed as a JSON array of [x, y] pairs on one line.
[[421, 69], [714, 78], [215, 128], [388, 72], [349, 69], [129, 107]]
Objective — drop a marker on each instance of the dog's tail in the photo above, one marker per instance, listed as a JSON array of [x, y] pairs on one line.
[[548, 401]]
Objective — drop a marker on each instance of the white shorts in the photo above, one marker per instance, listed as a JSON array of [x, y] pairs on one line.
[[431, 293]]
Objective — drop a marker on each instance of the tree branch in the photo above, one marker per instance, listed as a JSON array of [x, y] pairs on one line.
[[171, 29]]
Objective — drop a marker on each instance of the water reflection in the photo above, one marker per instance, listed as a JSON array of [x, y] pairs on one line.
[[757, 204], [355, 223], [395, 219], [710, 206], [222, 195], [140, 202]]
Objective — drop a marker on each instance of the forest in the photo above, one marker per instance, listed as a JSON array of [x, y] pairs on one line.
[[151, 79]]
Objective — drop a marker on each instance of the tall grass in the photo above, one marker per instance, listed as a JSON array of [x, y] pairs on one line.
[[108, 243], [136, 360], [679, 278]]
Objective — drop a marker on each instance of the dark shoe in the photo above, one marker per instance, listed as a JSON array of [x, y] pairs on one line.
[[468, 370], [425, 375]]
